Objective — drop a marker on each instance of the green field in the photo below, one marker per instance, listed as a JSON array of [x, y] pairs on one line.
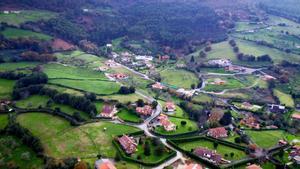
[[189, 127], [124, 98], [223, 50], [85, 141], [230, 83], [26, 16], [273, 136], [253, 108], [6, 88], [284, 98], [18, 65], [152, 158], [180, 113], [129, 116], [3, 121], [220, 50], [202, 98], [36, 101], [221, 149], [14, 33], [178, 78], [13, 151], [55, 71], [93, 86], [258, 50], [79, 58]]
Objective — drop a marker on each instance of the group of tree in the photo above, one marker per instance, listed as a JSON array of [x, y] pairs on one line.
[[126, 90], [35, 56], [15, 129]]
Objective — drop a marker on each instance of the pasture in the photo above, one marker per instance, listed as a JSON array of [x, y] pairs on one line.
[[12, 150], [190, 126], [273, 136], [93, 86], [16, 19], [14, 33], [221, 83], [84, 141], [37, 101], [129, 116], [223, 150], [6, 88], [58, 71], [10, 66], [284, 98], [3, 121], [180, 113], [178, 78]]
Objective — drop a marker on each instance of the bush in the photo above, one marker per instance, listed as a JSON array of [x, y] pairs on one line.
[[183, 123]]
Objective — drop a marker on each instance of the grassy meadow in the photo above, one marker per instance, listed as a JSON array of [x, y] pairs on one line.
[[93, 86], [221, 149], [14, 33], [12, 150], [16, 19], [178, 78], [6, 88], [36, 101], [86, 141], [180, 129]]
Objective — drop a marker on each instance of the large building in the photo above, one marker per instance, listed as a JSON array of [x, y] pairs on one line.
[[166, 123], [128, 144], [144, 111], [208, 155], [108, 111], [104, 164], [219, 132], [170, 107]]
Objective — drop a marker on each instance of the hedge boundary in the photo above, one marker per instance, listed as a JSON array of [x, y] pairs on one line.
[[129, 159], [173, 142]]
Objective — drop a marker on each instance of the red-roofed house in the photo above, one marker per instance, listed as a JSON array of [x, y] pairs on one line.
[[104, 164], [296, 116], [128, 144], [119, 76], [253, 166], [166, 123], [170, 107], [145, 111], [164, 58], [108, 111], [157, 85], [250, 121], [219, 132], [208, 154], [193, 166]]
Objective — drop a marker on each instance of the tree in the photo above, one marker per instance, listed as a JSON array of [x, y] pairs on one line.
[[193, 86], [183, 123], [236, 49], [237, 140], [226, 119], [154, 104], [207, 48], [159, 150], [202, 54], [81, 165], [231, 154], [216, 145], [140, 103], [192, 59], [147, 149]]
